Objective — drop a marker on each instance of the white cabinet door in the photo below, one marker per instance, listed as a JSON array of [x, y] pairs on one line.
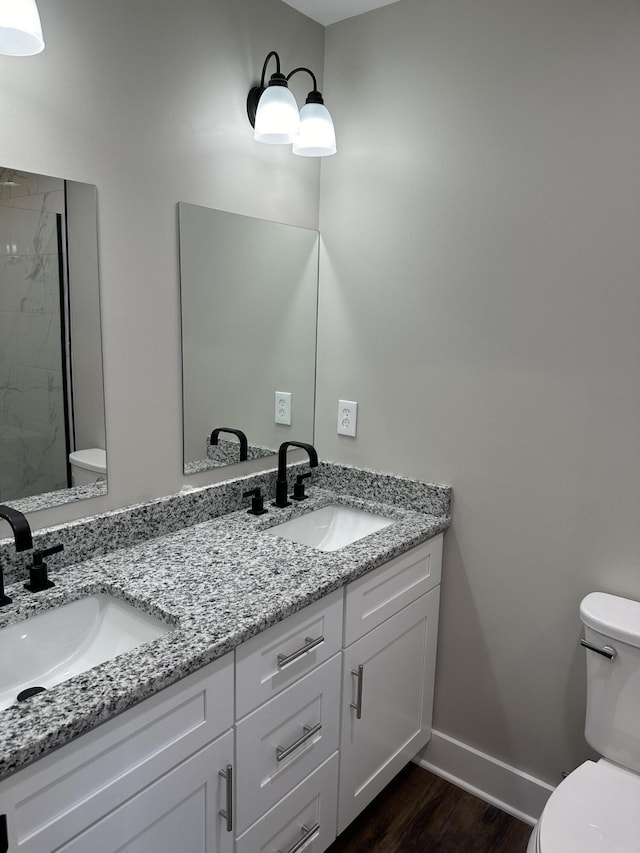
[[396, 692], [64, 793], [178, 812]]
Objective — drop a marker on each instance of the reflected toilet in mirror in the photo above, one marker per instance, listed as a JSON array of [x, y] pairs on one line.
[[88, 466]]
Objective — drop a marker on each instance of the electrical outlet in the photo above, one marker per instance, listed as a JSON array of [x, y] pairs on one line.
[[347, 417], [283, 407]]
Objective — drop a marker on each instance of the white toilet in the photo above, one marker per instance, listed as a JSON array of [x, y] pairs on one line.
[[596, 809], [88, 466]]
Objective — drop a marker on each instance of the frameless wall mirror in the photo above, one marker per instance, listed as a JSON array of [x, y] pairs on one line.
[[249, 291], [52, 427]]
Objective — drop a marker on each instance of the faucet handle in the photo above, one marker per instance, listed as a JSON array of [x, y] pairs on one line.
[[38, 577], [257, 501], [47, 552], [298, 488]]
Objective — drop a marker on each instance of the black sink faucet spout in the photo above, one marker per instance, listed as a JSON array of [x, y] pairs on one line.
[[242, 438], [22, 538], [281, 483]]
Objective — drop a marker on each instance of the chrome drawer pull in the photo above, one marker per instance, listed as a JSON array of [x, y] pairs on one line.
[[227, 813], [309, 835], [605, 651], [310, 643], [309, 731], [357, 705]]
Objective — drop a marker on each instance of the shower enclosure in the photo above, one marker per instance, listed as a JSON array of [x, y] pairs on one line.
[[35, 409]]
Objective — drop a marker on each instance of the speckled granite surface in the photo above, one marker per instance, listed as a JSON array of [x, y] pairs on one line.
[[225, 452], [61, 496], [388, 488], [218, 582], [97, 535]]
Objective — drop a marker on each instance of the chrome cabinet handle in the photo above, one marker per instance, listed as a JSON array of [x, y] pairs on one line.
[[357, 705], [309, 731], [227, 813], [308, 835], [605, 651], [284, 660]]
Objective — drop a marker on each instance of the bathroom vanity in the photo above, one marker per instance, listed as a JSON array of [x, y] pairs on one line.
[[300, 682]]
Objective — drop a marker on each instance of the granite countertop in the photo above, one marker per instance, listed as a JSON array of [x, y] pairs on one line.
[[218, 583]]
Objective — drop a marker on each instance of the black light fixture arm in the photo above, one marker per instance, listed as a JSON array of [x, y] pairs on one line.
[[255, 93], [277, 72], [313, 97]]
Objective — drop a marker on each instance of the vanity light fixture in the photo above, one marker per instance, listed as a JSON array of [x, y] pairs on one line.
[[20, 28], [273, 113]]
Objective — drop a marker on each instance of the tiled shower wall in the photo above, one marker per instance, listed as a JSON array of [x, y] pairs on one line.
[[32, 436]]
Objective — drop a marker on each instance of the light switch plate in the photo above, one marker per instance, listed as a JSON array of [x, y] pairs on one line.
[[283, 408], [347, 417]]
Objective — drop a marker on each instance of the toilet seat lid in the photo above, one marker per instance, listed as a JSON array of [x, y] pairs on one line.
[[594, 810]]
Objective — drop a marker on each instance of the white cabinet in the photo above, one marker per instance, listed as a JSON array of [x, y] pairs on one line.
[[387, 691], [390, 638], [329, 705], [287, 687], [141, 777]]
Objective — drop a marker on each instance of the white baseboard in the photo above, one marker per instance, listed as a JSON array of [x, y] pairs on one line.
[[509, 789]]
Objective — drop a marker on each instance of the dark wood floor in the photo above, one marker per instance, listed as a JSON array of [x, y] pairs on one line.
[[421, 813]]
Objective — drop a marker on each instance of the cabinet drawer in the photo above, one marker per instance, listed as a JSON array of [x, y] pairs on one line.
[[377, 596], [263, 774], [261, 663], [62, 794], [311, 804]]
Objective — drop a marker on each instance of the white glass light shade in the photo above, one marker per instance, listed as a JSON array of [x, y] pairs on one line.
[[20, 28], [317, 136], [277, 116]]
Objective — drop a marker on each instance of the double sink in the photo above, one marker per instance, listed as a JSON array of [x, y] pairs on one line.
[[65, 641]]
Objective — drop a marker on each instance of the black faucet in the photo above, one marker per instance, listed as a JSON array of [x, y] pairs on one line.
[[281, 483], [22, 538], [244, 445]]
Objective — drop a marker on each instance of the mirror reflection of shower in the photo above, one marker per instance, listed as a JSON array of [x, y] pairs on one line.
[[41, 421]]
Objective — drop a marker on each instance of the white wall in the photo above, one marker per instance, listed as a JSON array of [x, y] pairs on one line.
[[147, 101], [480, 299]]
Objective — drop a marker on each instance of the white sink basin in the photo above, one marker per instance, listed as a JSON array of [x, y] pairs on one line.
[[55, 645], [331, 527]]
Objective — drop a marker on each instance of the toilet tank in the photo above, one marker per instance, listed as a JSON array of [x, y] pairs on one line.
[[612, 724]]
